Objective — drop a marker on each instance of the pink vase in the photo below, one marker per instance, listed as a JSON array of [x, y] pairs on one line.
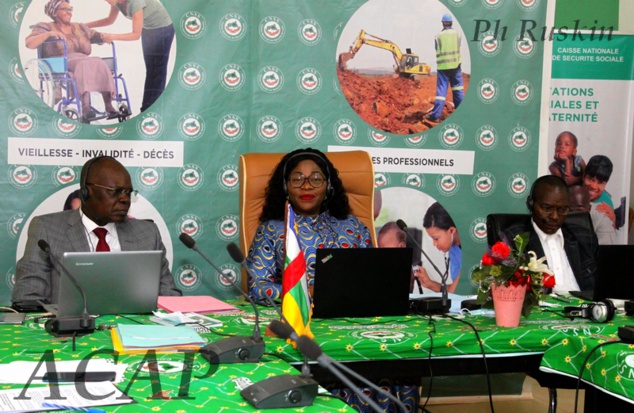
[[507, 303]]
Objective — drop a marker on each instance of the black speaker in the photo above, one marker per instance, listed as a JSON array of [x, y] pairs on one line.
[[281, 392], [599, 312]]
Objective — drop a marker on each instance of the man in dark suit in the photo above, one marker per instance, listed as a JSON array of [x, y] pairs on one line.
[[105, 192], [570, 249]]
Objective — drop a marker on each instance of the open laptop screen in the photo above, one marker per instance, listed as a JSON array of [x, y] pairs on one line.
[[362, 282], [124, 282]]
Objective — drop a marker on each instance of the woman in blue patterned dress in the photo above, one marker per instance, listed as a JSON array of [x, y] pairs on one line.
[[310, 182]]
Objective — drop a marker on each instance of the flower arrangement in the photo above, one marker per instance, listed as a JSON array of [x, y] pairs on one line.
[[502, 265]]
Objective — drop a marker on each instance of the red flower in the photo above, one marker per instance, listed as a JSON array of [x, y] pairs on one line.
[[549, 281], [500, 251], [487, 259]]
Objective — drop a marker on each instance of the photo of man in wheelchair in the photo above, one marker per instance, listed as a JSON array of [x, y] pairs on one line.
[[64, 75]]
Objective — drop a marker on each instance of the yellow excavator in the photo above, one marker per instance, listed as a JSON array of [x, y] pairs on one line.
[[407, 64]]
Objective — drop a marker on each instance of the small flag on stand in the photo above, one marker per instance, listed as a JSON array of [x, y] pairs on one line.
[[295, 299]]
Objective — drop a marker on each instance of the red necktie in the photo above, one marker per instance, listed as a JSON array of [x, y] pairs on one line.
[[102, 245]]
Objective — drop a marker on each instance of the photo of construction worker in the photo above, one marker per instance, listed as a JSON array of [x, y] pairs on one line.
[[387, 64], [448, 70]]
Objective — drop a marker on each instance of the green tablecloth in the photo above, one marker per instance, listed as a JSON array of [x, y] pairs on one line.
[[158, 386]]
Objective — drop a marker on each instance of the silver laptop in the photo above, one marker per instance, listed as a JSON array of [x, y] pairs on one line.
[[124, 282]]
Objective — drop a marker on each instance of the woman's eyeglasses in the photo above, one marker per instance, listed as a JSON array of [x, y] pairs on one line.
[[297, 180], [65, 8]]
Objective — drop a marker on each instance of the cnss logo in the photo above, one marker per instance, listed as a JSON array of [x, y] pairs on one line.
[[519, 138], [14, 224], [518, 185], [270, 79], [65, 127], [22, 176], [416, 141], [188, 277], [227, 227], [309, 81], [191, 76], [488, 90], [150, 126], [231, 128], [191, 126], [269, 128], [522, 92], [272, 29], [15, 13], [524, 47], [23, 121], [527, 5], [414, 180], [190, 177], [378, 138], [110, 132], [486, 137], [308, 130], [14, 70], [149, 178], [483, 184], [191, 225], [451, 135], [230, 271], [492, 4], [381, 180], [489, 45], [232, 77], [309, 32], [345, 131], [63, 175], [448, 184], [193, 25], [233, 27], [478, 230], [228, 178]]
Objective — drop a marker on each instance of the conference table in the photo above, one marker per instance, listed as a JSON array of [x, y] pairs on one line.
[[412, 346]]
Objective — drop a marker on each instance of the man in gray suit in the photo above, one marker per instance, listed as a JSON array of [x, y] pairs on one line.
[[105, 191]]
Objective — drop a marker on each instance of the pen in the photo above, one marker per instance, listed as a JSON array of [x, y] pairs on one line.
[[560, 298], [160, 338]]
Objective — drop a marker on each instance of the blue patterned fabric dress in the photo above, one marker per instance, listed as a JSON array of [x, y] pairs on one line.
[[266, 254]]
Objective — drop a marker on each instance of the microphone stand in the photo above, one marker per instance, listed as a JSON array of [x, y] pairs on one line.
[[68, 326], [237, 256], [236, 349]]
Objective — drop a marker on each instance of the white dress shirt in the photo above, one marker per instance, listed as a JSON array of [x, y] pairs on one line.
[[112, 237], [557, 259]]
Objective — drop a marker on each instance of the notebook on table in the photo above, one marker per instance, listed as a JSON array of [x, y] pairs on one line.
[[362, 282], [125, 282], [613, 278]]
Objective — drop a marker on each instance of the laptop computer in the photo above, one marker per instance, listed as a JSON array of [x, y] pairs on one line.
[[125, 282], [613, 278], [362, 282]]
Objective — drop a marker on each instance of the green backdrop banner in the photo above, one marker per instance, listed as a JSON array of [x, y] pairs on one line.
[[262, 76]]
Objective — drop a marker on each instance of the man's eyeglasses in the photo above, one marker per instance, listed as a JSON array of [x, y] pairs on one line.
[[297, 180], [116, 192], [549, 209], [65, 8]]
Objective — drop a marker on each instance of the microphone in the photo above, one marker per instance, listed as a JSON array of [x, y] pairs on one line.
[[236, 349], [62, 326], [429, 304], [285, 390], [312, 350]]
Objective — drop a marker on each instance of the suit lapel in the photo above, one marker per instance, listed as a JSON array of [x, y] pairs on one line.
[[127, 238], [77, 234]]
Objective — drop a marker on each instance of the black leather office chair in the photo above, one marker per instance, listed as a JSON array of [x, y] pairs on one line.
[[496, 223]]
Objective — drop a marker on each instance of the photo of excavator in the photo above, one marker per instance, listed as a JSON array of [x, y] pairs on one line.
[[407, 64]]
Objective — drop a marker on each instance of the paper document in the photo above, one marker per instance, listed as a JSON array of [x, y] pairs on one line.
[[33, 399]]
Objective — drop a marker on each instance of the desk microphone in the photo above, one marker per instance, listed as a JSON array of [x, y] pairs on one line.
[[236, 349], [429, 304], [312, 350], [279, 391], [65, 326]]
